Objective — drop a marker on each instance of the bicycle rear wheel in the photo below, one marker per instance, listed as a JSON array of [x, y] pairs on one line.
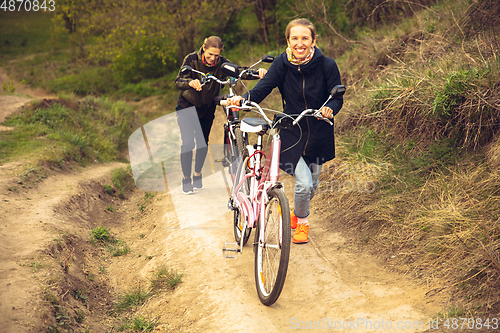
[[231, 153], [241, 143], [238, 228], [238, 218], [271, 259]]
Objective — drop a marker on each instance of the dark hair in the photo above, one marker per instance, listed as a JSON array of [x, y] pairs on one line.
[[213, 41], [303, 22]]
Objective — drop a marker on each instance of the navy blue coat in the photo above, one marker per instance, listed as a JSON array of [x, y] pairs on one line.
[[303, 87]]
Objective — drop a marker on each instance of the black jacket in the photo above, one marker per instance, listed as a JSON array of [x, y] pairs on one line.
[[303, 87], [203, 100]]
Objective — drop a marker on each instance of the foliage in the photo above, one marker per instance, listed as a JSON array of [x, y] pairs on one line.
[[146, 58], [143, 39], [101, 234], [9, 86], [123, 180]]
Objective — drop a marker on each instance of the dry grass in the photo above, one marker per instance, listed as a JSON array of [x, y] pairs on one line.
[[427, 106]]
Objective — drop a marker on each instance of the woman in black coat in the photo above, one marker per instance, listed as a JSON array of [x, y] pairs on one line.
[[304, 78]]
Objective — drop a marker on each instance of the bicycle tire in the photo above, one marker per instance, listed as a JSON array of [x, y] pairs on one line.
[[237, 223], [231, 154], [241, 143], [270, 280], [238, 226]]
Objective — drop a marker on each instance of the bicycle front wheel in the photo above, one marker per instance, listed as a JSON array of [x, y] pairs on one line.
[[271, 257]]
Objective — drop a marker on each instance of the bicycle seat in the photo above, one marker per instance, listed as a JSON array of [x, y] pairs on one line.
[[253, 125]]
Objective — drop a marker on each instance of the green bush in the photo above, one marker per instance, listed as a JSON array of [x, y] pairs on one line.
[[456, 87], [101, 234], [148, 59], [123, 180]]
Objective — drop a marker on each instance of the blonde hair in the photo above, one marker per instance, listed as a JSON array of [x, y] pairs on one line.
[[303, 22], [213, 41]]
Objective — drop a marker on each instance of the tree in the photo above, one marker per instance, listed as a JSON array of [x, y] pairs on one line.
[[264, 10], [138, 34]]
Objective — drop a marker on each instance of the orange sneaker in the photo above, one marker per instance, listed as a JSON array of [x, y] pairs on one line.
[[301, 233], [293, 220]]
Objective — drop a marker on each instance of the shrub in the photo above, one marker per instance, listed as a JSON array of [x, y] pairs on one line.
[[147, 59]]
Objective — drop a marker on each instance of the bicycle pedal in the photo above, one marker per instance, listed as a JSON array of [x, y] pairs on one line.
[[230, 250], [230, 204], [224, 161]]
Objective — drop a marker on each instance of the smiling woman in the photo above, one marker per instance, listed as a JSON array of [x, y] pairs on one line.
[[301, 39], [304, 77]]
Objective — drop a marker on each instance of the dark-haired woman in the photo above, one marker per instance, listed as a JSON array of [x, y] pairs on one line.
[[304, 77], [206, 60]]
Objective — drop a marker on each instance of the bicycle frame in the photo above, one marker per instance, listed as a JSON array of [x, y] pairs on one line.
[[263, 203], [263, 178]]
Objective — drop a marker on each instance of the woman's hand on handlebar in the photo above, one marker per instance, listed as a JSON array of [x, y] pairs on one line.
[[235, 100], [196, 84], [262, 72], [327, 112]]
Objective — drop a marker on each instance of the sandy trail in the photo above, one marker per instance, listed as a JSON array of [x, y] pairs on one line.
[[332, 282]]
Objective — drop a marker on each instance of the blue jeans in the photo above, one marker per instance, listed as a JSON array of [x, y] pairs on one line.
[[306, 183]]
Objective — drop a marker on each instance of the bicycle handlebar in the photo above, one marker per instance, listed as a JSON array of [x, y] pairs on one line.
[[336, 92], [315, 113], [247, 105], [206, 77]]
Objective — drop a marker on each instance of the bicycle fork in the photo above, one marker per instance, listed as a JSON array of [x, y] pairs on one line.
[[270, 181]]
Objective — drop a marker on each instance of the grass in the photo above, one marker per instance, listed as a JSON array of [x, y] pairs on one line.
[[160, 279], [132, 298], [428, 113], [123, 180], [24, 33], [138, 324], [102, 236], [59, 131], [163, 278], [108, 188]]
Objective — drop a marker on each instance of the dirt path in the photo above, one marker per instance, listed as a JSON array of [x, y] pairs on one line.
[[332, 283]]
